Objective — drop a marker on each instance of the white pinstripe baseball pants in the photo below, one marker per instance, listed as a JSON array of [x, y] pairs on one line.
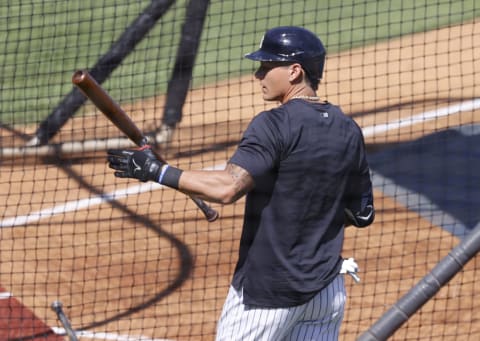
[[317, 320]]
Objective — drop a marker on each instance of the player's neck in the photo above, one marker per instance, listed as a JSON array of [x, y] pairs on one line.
[[306, 94]]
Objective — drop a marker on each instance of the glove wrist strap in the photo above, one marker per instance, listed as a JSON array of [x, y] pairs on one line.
[[170, 176]]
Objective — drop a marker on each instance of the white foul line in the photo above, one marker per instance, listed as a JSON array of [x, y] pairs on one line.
[[423, 117], [77, 205], [150, 186]]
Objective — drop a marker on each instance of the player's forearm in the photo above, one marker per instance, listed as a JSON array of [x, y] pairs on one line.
[[225, 186], [214, 186]]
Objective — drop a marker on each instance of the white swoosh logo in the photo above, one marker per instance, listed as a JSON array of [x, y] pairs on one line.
[[367, 217], [137, 167]]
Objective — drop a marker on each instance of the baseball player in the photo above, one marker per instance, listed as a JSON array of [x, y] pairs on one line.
[[303, 168]]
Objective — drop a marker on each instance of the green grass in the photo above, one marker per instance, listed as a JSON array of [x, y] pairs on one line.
[[44, 42]]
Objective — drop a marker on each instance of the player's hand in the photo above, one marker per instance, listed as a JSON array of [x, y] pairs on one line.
[[139, 164]]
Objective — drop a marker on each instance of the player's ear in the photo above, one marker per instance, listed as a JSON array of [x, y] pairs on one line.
[[296, 72]]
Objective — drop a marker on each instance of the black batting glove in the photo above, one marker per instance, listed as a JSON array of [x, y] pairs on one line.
[[139, 164]]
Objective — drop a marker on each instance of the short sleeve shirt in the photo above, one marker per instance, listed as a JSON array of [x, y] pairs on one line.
[[303, 157]]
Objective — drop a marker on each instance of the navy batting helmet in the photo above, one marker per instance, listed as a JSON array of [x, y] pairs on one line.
[[292, 44]]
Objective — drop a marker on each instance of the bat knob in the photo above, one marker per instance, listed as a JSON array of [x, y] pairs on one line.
[[212, 215]]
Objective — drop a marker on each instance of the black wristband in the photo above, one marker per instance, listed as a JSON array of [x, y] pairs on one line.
[[170, 176]]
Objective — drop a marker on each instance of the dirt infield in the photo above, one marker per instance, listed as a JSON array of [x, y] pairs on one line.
[[148, 264]]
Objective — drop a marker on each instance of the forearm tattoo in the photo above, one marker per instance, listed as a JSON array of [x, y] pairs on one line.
[[243, 181]]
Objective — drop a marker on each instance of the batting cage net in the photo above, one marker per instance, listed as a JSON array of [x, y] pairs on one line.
[[89, 256]]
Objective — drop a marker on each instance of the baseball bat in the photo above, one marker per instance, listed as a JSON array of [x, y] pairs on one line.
[[112, 110]]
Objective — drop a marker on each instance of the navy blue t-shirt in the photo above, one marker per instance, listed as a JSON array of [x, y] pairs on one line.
[[308, 163]]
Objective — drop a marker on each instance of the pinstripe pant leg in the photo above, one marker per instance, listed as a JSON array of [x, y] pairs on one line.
[[243, 323], [323, 315]]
